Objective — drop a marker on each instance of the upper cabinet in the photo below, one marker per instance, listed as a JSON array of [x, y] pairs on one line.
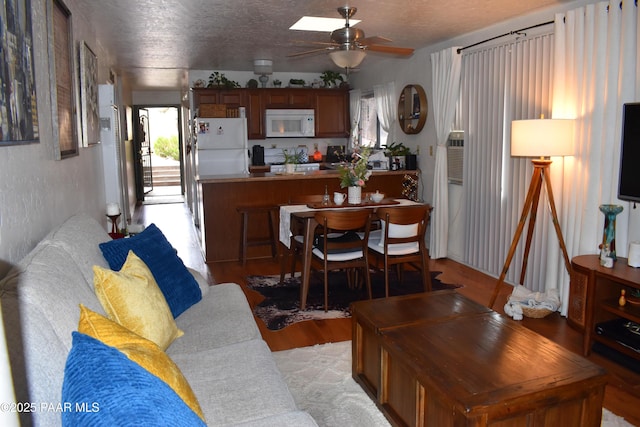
[[412, 109], [332, 113], [331, 106], [289, 98], [254, 103], [230, 97]]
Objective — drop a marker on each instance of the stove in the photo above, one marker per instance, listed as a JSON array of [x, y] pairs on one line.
[[274, 156], [300, 167]]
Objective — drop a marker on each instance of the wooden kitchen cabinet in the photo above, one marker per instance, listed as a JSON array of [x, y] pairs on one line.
[[331, 106], [288, 98], [255, 114], [230, 97], [332, 113]]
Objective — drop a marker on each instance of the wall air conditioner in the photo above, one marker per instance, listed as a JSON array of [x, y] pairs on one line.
[[455, 154]]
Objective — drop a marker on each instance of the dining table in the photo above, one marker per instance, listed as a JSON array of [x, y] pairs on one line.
[[305, 213]]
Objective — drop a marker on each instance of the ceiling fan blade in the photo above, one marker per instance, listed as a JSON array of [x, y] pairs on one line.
[[400, 51], [374, 40], [308, 52], [307, 42]]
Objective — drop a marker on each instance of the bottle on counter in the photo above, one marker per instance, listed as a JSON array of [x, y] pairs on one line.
[[325, 198]]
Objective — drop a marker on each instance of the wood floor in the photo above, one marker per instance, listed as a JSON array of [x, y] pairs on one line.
[[623, 391]]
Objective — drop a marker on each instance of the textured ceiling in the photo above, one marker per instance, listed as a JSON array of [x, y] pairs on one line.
[[154, 42]]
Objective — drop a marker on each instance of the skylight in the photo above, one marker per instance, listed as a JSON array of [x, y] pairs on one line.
[[314, 23]]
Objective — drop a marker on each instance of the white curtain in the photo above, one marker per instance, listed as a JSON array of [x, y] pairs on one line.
[[445, 66], [596, 71], [355, 103], [498, 85], [385, 96]]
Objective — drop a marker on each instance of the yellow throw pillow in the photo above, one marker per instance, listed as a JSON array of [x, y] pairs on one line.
[[132, 298], [142, 351]]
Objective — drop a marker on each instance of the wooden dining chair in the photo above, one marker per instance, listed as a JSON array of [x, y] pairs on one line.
[[296, 243], [401, 240], [348, 250]]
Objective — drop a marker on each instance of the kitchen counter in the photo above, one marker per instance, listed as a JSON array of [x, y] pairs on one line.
[[268, 176], [221, 195]]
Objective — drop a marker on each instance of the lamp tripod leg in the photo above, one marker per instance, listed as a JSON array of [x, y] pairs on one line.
[[533, 216], [534, 192], [556, 223]]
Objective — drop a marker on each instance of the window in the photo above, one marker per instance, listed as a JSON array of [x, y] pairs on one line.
[[371, 133]]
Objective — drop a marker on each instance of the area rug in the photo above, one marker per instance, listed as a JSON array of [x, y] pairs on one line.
[[281, 306], [319, 377]]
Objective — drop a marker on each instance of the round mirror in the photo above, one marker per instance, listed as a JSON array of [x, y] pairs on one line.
[[412, 109]]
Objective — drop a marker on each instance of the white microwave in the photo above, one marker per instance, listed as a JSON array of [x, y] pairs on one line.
[[298, 123]]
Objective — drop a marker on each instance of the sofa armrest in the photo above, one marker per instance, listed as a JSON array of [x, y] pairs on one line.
[[202, 281]]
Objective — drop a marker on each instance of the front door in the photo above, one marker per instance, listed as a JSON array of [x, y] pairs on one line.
[[142, 149]]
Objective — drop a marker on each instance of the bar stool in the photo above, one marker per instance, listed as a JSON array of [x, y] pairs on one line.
[[245, 241]]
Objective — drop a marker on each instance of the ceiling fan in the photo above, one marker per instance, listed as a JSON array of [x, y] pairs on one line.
[[348, 45]]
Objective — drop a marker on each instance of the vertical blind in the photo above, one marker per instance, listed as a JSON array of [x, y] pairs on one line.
[[500, 84]]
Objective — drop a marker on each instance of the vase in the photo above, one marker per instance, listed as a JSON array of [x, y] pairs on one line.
[[290, 168], [609, 232], [355, 195]]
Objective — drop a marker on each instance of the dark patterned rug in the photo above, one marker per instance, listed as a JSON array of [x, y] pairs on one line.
[[281, 306]]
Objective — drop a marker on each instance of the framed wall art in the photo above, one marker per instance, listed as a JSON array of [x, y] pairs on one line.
[[18, 106], [89, 96], [64, 118]]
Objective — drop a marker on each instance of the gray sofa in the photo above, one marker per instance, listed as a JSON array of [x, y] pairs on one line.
[[222, 356]]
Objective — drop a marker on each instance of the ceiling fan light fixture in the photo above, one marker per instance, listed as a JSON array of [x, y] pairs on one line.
[[350, 58]]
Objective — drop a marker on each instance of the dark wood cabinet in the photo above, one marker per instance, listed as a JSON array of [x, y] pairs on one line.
[[230, 97], [593, 298], [288, 98], [331, 106], [332, 114], [255, 114]]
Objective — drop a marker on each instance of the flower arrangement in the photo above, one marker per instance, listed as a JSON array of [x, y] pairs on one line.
[[355, 172]]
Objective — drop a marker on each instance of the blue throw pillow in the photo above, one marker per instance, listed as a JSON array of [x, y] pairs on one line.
[[102, 387], [178, 285]]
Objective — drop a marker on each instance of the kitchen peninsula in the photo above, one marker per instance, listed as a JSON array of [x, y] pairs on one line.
[[221, 195]]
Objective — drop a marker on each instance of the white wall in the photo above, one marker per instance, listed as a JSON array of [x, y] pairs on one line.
[[36, 191]]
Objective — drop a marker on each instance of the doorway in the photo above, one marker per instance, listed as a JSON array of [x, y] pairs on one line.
[[158, 154]]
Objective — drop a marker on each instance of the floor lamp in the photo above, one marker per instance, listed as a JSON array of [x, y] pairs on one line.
[[542, 139]]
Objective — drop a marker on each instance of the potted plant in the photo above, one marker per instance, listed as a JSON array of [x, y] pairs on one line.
[[296, 82], [217, 79], [330, 78], [277, 83], [291, 158], [397, 153]]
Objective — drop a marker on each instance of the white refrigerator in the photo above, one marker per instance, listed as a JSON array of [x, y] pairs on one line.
[[221, 147]]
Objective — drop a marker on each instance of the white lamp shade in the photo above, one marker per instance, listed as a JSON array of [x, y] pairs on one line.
[[542, 138], [347, 58], [263, 66]]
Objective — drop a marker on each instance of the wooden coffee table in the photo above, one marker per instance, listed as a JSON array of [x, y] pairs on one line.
[[440, 359]]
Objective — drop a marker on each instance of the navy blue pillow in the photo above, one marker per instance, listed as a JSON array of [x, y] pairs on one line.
[[102, 387], [178, 285]]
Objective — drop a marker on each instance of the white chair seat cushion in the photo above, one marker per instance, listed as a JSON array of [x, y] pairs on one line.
[[397, 230], [394, 249], [344, 256]]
